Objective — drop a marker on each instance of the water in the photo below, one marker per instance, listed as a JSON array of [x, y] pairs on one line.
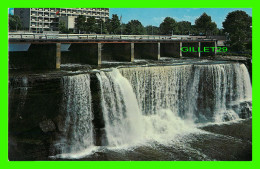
[[155, 109], [196, 92], [120, 109], [78, 127]]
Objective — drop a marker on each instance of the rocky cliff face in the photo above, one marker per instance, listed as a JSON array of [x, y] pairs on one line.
[[34, 103]]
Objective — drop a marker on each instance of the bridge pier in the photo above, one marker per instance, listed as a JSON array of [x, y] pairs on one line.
[[147, 51], [58, 55], [199, 50], [132, 52], [215, 42], [180, 49]]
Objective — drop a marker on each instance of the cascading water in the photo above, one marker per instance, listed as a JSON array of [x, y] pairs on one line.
[[222, 90], [153, 103], [120, 109], [124, 121], [78, 128], [198, 92]]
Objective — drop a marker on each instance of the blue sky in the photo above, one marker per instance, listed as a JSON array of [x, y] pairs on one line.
[[11, 11], [154, 16]]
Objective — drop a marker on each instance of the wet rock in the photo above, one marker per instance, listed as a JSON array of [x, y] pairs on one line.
[[60, 123], [47, 125], [245, 110], [101, 138]]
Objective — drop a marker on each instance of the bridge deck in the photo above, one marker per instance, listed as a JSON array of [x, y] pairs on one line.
[[87, 38]]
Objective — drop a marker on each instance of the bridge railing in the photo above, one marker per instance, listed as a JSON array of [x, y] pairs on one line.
[[32, 36]]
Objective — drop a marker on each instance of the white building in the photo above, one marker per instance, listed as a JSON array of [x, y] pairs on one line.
[[47, 19]]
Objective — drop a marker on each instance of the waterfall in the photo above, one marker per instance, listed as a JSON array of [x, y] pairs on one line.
[[158, 103], [163, 87], [125, 123], [120, 109], [78, 128], [222, 90], [201, 93]]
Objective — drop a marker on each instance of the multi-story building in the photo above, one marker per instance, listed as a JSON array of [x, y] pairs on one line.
[[47, 19]]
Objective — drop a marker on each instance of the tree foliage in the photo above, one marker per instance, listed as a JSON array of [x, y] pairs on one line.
[[238, 26], [152, 30], [80, 23], [134, 27], [115, 24], [205, 26], [108, 25], [168, 26], [62, 28], [91, 26], [237, 20], [123, 28], [101, 27], [14, 22], [183, 28]]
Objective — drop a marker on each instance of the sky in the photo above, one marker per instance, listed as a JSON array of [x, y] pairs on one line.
[[154, 16], [11, 11]]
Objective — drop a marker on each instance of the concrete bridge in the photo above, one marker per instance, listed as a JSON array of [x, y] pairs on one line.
[[44, 51]]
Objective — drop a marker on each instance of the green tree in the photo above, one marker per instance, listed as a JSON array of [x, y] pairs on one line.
[[238, 26], [14, 22], [134, 27], [108, 25], [123, 27], [168, 26], [194, 30], [62, 27], [101, 27], [91, 25], [80, 23], [115, 24], [205, 25], [152, 30], [183, 28], [220, 32]]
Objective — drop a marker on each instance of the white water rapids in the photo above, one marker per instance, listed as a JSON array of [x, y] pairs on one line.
[[158, 103]]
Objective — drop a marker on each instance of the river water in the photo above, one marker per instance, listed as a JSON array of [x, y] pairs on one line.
[[192, 110]]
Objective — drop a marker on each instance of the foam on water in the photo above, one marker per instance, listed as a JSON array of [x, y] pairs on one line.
[[142, 105], [124, 121]]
